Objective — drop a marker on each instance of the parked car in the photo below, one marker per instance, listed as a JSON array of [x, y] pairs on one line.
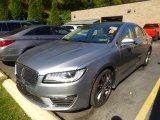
[[16, 42], [72, 27], [9, 25], [82, 69], [153, 29]]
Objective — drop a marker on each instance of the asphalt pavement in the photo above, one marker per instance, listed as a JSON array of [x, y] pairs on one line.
[[126, 100]]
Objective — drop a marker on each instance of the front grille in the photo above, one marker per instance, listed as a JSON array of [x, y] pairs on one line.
[[27, 74]]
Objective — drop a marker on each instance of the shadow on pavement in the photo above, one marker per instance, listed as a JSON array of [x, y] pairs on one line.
[[155, 112]]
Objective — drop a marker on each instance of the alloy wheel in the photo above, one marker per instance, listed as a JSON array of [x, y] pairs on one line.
[[102, 88]]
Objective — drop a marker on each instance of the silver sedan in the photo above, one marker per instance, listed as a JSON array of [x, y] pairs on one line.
[[16, 42], [82, 69]]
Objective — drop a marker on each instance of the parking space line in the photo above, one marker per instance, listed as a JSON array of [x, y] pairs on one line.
[[148, 103]]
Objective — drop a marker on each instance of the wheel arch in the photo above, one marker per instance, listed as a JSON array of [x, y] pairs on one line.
[[27, 48], [104, 68], [99, 72]]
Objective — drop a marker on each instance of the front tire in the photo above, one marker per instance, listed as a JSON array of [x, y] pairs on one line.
[[102, 88]]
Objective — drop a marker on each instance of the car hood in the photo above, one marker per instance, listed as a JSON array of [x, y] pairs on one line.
[[60, 56]]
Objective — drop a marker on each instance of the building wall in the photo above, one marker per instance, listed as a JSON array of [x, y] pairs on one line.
[[140, 12]]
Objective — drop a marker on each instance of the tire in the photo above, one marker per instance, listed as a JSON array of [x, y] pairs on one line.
[[148, 57], [102, 88]]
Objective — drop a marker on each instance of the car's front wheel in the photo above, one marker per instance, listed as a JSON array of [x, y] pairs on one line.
[[102, 88]]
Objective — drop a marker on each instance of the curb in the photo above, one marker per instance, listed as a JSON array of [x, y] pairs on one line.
[[148, 102], [33, 111], [2, 76]]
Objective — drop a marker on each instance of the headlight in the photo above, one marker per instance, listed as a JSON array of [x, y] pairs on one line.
[[64, 77]]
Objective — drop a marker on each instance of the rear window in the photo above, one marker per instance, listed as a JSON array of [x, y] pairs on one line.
[[13, 26], [151, 26], [40, 31]]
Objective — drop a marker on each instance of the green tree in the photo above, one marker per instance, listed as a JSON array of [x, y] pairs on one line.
[[4, 10], [16, 9], [35, 10], [116, 2], [54, 17], [101, 3], [65, 16], [87, 4]]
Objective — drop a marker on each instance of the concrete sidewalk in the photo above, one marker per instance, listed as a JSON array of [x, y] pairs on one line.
[[33, 111], [2, 76]]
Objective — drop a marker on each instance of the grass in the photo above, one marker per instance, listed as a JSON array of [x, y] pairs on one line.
[[9, 109]]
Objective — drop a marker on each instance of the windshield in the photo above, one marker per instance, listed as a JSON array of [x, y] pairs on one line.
[[14, 31], [94, 33]]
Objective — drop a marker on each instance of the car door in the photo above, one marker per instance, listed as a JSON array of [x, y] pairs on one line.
[[141, 43], [128, 52]]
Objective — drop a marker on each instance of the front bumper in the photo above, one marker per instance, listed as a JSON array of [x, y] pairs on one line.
[[8, 58], [57, 97]]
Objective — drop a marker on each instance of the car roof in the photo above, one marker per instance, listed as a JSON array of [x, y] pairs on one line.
[[151, 23], [37, 26], [71, 25], [112, 23], [10, 21]]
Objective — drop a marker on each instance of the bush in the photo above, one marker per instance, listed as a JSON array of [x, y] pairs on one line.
[[3, 10], [16, 10], [35, 10]]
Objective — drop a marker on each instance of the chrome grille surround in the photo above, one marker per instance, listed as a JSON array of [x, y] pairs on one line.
[[26, 74]]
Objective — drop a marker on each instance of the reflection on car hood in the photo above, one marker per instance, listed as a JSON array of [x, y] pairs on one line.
[[61, 56]]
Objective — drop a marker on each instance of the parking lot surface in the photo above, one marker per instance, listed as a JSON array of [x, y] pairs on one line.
[[126, 100]]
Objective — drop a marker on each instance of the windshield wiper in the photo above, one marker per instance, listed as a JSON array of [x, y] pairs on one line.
[[81, 41]]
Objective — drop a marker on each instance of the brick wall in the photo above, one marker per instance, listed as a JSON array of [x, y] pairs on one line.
[[140, 12]]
